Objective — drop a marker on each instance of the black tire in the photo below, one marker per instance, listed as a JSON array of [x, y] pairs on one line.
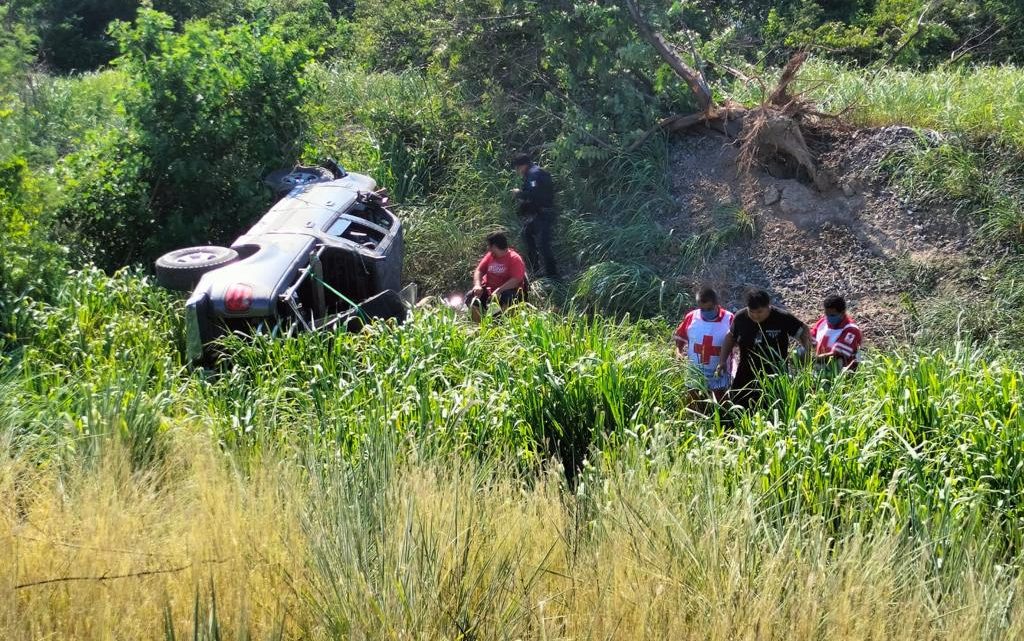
[[181, 269]]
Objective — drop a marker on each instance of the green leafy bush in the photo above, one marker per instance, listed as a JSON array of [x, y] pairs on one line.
[[30, 264], [208, 111]]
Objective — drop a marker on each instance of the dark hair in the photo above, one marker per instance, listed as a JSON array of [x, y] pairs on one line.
[[758, 299], [836, 302], [707, 295], [498, 239], [521, 159]]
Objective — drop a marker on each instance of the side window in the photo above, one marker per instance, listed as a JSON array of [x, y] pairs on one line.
[[375, 215], [338, 227], [349, 228]]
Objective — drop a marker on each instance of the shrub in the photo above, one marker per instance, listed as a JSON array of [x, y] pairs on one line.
[[209, 112], [30, 264]]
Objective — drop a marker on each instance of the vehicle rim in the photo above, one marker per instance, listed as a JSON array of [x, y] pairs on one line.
[[196, 258]]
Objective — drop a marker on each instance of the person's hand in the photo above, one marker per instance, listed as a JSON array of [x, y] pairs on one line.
[[517, 192], [801, 355], [478, 290]]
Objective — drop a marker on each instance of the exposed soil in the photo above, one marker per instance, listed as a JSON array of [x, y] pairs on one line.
[[859, 238]]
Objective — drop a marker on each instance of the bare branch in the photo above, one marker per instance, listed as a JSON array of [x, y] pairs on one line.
[[984, 38], [110, 577], [780, 97], [913, 34], [679, 122]]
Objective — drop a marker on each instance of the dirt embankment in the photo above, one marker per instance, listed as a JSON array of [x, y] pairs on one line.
[[858, 238]]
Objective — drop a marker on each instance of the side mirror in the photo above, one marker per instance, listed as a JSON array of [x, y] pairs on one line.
[[336, 170]]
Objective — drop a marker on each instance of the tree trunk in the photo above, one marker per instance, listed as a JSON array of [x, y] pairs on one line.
[[694, 78]]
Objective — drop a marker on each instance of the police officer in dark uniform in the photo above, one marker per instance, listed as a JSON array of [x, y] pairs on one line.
[[537, 208]]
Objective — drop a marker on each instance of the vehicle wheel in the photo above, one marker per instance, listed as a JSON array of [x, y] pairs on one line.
[[180, 269]]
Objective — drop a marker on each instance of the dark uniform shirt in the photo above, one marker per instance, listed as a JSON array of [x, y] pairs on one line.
[[537, 195], [763, 346]]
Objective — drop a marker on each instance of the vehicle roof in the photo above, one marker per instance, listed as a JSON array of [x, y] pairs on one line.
[[312, 207]]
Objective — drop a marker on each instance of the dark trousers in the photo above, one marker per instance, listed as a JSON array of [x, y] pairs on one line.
[[505, 298], [537, 236]]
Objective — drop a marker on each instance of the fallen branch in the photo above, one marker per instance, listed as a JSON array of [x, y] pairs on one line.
[[913, 34], [680, 122], [671, 123], [76, 546], [111, 577]]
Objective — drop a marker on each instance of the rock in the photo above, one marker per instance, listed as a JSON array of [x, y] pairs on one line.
[[772, 195], [797, 199]]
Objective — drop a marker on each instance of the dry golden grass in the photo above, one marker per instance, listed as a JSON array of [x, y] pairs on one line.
[[418, 551], [193, 522]]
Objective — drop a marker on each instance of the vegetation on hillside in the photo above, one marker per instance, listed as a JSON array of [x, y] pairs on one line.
[[542, 477], [914, 459]]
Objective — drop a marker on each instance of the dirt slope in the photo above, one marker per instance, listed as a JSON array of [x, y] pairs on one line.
[[859, 239]]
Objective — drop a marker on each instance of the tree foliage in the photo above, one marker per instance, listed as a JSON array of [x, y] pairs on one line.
[[29, 262], [209, 112]]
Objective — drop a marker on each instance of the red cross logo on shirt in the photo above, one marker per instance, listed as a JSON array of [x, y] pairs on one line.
[[706, 349]]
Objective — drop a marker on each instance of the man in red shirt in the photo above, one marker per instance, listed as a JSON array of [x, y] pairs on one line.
[[836, 337], [500, 274]]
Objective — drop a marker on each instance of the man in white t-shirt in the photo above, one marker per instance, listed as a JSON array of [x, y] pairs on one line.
[[699, 338]]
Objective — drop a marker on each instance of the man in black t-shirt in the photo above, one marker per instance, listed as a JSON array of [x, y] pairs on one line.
[[762, 333]]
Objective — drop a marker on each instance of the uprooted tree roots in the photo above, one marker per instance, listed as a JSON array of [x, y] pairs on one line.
[[770, 136]]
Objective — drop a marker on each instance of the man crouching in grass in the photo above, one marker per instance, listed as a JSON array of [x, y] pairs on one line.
[[501, 274]]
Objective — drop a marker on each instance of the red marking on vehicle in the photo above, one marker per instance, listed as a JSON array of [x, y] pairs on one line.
[[238, 298]]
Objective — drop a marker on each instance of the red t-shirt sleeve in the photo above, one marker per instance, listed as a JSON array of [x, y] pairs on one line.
[[681, 331]]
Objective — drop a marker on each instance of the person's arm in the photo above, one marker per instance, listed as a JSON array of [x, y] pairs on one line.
[[523, 193], [680, 337], [511, 283], [846, 347], [727, 346], [798, 330], [803, 335], [681, 345], [819, 358], [805, 338], [478, 275]]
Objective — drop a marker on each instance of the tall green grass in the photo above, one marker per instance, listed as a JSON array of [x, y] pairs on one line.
[[54, 115], [933, 437], [982, 102]]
